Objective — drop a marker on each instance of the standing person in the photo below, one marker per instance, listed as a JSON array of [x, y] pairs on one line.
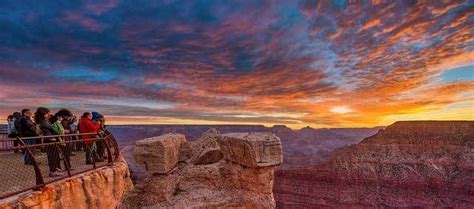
[[74, 130], [59, 130], [11, 126], [98, 118], [27, 128], [67, 121], [11, 132], [16, 128], [87, 126], [42, 117]]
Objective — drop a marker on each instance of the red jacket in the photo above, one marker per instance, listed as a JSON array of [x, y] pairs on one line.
[[87, 126]]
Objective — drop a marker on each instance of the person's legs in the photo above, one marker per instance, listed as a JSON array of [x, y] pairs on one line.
[[89, 149], [50, 155], [95, 154], [100, 149], [27, 157], [54, 161], [15, 144], [66, 153]]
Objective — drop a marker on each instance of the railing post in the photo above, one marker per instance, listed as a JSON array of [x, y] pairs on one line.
[[106, 140], [38, 175], [116, 149]]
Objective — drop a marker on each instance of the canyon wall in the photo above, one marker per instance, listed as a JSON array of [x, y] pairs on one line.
[[408, 164], [103, 189], [218, 170]]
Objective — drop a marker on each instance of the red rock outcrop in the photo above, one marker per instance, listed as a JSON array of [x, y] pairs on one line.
[[427, 164], [232, 170]]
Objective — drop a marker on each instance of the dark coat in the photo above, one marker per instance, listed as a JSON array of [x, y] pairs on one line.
[[66, 124], [46, 128], [27, 127]]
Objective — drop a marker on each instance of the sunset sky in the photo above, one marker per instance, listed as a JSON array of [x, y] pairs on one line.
[[299, 63]]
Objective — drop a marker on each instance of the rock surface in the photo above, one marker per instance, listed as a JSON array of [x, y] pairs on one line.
[[104, 188], [257, 149], [206, 150], [159, 154], [203, 178], [425, 164]]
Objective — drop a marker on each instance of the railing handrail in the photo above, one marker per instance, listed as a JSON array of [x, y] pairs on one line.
[[49, 136], [54, 136], [50, 143]]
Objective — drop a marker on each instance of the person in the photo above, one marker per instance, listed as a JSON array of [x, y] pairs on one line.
[[98, 118], [11, 126], [12, 120], [27, 128], [42, 117], [67, 121], [87, 126], [16, 124], [56, 124], [74, 130]]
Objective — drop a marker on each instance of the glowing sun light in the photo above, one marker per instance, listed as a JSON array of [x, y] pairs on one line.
[[341, 109]]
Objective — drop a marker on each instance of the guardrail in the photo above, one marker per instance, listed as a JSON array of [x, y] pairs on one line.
[[30, 169]]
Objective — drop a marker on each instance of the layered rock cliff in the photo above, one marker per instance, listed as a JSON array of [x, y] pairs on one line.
[[103, 188], [408, 164], [218, 170]]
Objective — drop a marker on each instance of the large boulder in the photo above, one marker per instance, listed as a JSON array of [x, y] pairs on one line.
[[159, 154], [206, 149], [253, 149]]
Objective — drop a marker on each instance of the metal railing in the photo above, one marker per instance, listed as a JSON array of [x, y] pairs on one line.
[[38, 161]]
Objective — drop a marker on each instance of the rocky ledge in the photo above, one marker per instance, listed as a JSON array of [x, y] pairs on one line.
[[102, 188], [218, 170]]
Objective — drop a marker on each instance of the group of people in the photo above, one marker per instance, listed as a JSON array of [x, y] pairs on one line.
[[46, 126]]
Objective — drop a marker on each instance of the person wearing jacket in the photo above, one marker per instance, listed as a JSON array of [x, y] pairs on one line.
[[11, 125], [58, 129], [13, 128], [87, 126], [66, 122], [42, 117], [98, 118], [27, 128]]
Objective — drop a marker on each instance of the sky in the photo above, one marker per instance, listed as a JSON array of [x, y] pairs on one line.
[[296, 62]]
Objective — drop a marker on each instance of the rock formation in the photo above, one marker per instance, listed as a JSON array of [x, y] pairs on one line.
[[231, 170], [302, 148], [159, 154], [103, 189], [427, 164], [252, 149]]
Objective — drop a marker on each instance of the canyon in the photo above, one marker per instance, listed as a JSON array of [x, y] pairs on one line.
[[421, 164], [428, 164], [302, 148]]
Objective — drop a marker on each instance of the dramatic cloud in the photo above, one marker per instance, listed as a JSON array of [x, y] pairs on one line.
[[318, 63]]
